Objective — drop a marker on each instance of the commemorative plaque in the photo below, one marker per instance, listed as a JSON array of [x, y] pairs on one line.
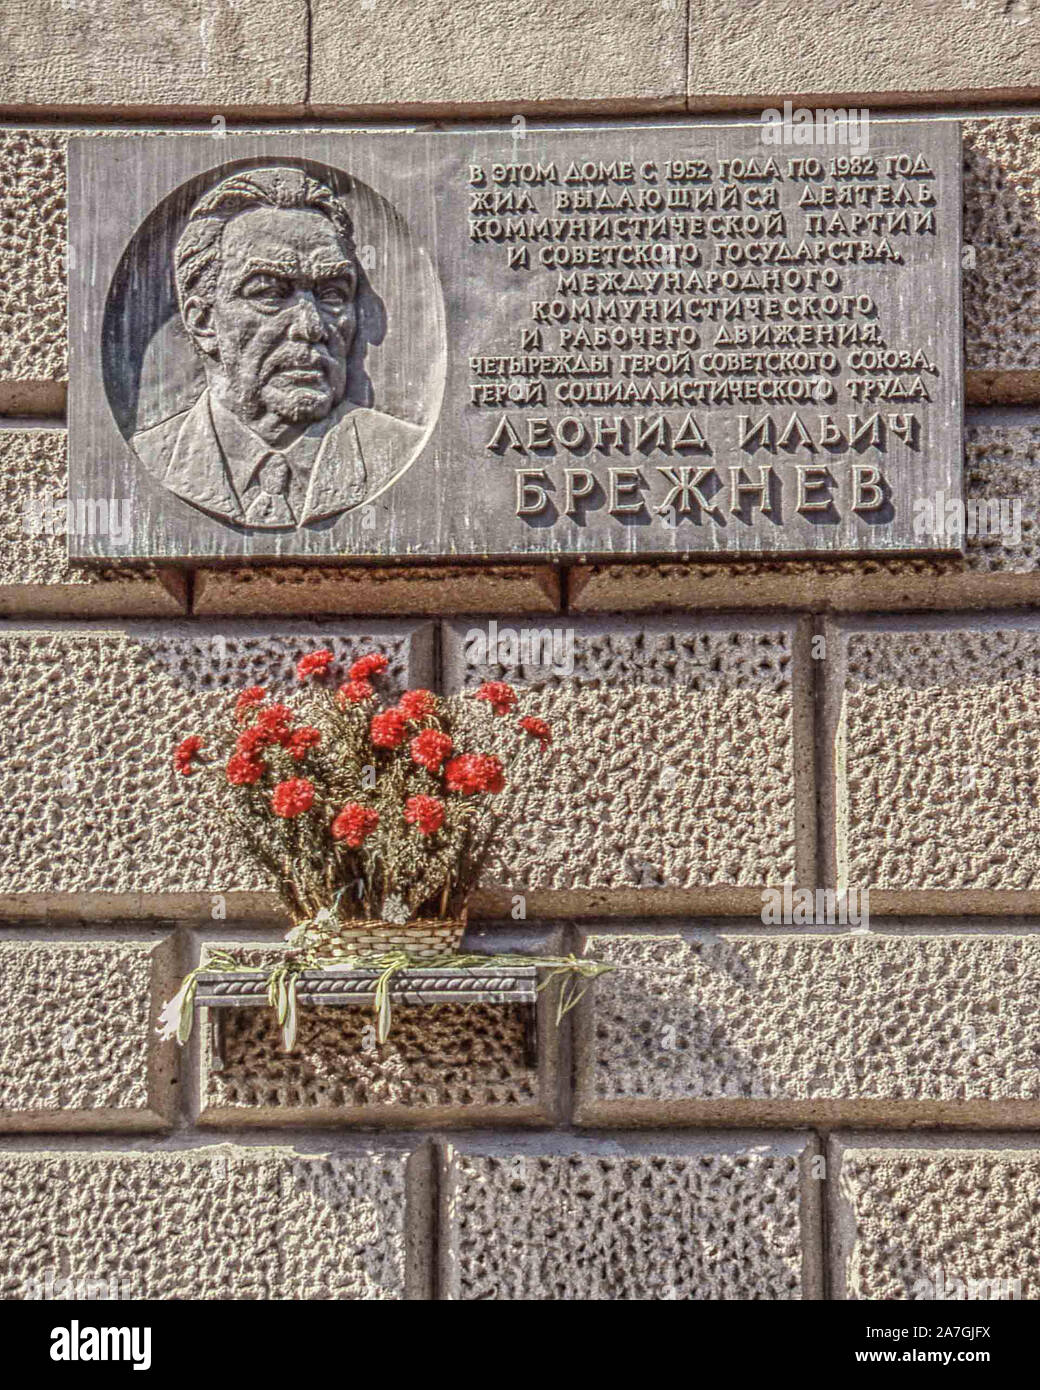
[[669, 338]]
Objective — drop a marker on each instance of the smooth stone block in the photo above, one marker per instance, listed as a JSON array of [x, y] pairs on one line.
[[497, 57], [197, 54], [886, 52], [426, 589]]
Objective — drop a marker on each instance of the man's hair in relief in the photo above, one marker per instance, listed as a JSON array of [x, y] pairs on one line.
[[197, 258]]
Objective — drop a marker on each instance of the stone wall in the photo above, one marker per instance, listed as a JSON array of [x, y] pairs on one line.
[[741, 1110]]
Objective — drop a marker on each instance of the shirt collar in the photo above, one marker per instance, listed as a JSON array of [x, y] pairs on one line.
[[244, 450]]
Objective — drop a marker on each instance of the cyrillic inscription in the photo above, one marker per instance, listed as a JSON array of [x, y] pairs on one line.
[[661, 339]]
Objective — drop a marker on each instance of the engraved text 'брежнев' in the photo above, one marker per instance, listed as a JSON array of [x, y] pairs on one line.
[[658, 339]]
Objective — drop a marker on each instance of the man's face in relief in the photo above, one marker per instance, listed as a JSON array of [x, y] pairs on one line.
[[284, 315]]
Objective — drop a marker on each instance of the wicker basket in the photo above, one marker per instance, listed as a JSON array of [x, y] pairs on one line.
[[426, 938]]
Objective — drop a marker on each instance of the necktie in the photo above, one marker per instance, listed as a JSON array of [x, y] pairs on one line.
[[270, 506]]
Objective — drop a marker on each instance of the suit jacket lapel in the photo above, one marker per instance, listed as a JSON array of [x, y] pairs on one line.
[[197, 471], [338, 477]]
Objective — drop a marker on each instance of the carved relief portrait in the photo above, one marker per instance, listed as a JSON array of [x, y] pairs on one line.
[[274, 422]]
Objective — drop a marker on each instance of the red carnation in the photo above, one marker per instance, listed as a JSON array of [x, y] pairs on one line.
[[313, 664], [274, 715], [354, 693], [300, 742], [243, 770], [417, 704], [538, 729], [275, 721], [500, 697], [430, 748], [490, 773], [251, 740], [474, 772], [458, 774], [367, 666], [292, 798], [426, 813], [185, 753], [248, 698], [387, 730], [354, 823]]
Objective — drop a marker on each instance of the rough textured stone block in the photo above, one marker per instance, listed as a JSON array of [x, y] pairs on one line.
[[660, 1217], [196, 54], [934, 1218], [35, 574], [426, 589], [681, 770], [447, 1064], [1002, 228], [498, 56], [78, 1048], [93, 818], [33, 225], [754, 1027], [215, 1222], [767, 50], [930, 733], [1002, 462]]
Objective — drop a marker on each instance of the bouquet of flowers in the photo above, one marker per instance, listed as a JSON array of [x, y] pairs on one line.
[[372, 821]]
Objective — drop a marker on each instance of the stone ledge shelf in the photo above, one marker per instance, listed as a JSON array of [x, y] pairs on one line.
[[356, 988]]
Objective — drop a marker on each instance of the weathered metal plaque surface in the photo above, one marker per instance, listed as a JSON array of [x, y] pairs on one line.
[[658, 339]]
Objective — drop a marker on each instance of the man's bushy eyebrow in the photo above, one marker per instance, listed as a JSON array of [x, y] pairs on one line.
[[335, 270], [256, 266], [332, 271]]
